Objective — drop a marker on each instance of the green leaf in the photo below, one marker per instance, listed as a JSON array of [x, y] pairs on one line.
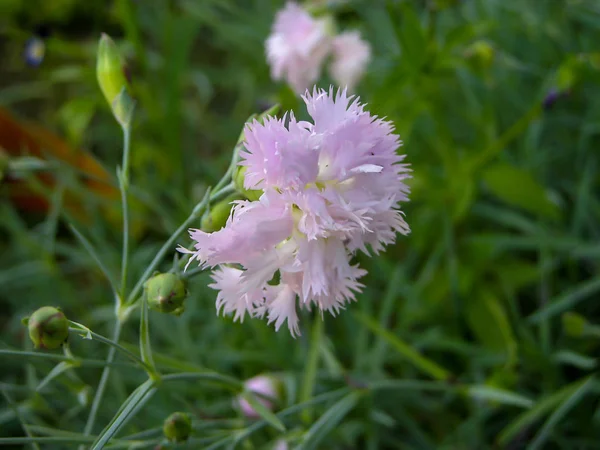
[[263, 411], [566, 300], [128, 409], [499, 395], [539, 410], [56, 371], [569, 402], [425, 364], [488, 321], [575, 359], [328, 421], [518, 188]]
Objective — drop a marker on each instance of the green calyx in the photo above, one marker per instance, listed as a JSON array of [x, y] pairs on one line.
[[238, 181], [166, 292], [48, 328], [216, 218], [177, 427]]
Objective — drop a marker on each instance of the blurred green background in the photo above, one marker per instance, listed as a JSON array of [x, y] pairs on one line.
[[476, 331]]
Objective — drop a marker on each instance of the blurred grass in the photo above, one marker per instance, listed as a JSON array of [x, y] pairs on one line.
[[505, 213]]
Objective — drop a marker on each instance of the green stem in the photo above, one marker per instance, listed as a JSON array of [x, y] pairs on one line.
[[103, 380], [114, 345], [225, 380], [54, 357], [310, 372], [145, 347], [124, 188], [196, 213]]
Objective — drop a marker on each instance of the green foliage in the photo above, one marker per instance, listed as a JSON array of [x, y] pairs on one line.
[[479, 330]]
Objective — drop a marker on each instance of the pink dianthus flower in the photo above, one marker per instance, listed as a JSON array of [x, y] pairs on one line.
[[330, 188], [351, 55], [297, 47]]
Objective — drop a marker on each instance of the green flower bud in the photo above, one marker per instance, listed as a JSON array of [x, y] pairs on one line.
[[574, 324], [177, 427], [48, 328], [238, 181], [480, 55], [112, 80], [166, 292], [216, 217]]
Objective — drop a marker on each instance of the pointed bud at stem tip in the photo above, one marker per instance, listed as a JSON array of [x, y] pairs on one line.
[[48, 328], [111, 78], [177, 427], [166, 293]]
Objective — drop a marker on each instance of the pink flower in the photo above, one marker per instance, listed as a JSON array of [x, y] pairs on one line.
[[330, 188], [297, 47], [280, 445], [265, 386], [351, 55]]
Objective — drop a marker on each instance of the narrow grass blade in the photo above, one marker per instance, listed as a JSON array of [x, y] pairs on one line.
[[263, 411], [499, 396], [567, 300], [56, 371], [90, 249], [128, 409], [425, 364], [539, 410], [559, 413], [328, 421]]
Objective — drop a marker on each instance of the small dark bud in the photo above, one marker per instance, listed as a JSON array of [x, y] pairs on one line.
[[177, 427]]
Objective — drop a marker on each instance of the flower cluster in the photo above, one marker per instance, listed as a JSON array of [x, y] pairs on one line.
[[330, 188], [299, 45]]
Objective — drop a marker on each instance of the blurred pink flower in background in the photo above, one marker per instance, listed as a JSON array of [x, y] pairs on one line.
[[351, 55], [297, 47], [330, 188], [280, 445], [261, 384]]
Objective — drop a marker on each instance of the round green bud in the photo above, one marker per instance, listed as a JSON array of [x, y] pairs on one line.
[[166, 293], [48, 328], [238, 181], [480, 55], [177, 427], [216, 217]]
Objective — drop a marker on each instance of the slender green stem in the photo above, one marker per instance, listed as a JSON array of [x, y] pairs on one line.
[[114, 345], [225, 380], [19, 416], [168, 245], [145, 346], [103, 380], [54, 357], [310, 371], [124, 187]]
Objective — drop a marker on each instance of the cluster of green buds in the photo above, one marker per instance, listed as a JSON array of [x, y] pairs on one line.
[[48, 328], [166, 293], [177, 427]]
